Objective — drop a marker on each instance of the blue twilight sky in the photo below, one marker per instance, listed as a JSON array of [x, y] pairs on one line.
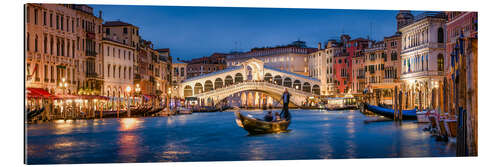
[[192, 32]]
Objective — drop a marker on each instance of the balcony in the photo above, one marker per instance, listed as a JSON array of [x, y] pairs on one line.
[[422, 46], [91, 75], [90, 34], [137, 77], [90, 53], [409, 75]]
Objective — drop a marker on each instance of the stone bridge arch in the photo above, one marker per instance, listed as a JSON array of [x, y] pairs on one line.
[[297, 98]]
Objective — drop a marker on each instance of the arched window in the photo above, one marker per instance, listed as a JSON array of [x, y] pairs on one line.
[[440, 35], [440, 62], [208, 86], [188, 91], [218, 83]]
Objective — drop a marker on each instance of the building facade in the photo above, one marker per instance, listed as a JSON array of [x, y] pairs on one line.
[[205, 65], [179, 74], [62, 44], [118, 68], [321, 66], [422, 58], [358, 73], [164, 78], [291, 58], [122, 32]]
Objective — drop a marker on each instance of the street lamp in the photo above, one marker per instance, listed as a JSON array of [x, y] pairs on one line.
[[63, 85], [128, 89], [137, 89], [169, 92]]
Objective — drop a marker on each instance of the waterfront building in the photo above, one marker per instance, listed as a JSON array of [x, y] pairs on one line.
[[163, 73], [343, 64], [291, 58], [122, 32], [118, 68], [422, 58], [374, 64], [144, 76], [358, 73], [63, 41], [205, 65], [321, 66], [179, 74]]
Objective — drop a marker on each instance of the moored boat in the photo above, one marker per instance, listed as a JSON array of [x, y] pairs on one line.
[[423, 116], [183, 110], [451, 127], [255, 126], [407, 114], [34, 113]]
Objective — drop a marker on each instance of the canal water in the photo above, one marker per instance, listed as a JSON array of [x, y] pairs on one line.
[[314, 134]]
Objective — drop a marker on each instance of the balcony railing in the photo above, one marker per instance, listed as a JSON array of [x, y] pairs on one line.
[[90, 53], [423, 45], [91, 75], [407, 75], [137, 76]]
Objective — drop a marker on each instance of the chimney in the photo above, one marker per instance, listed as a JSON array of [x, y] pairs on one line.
[[319, 45], [100, 14]]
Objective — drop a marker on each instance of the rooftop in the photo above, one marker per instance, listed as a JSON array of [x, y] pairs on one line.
[[116, 23]]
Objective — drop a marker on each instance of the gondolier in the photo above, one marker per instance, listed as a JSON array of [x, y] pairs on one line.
[[286, 100]]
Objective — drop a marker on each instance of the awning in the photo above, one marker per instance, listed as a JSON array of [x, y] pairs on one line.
[[38, 93], [94, 97], [66, 97]]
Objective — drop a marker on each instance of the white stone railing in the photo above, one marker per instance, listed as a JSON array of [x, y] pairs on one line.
[[254, 84]]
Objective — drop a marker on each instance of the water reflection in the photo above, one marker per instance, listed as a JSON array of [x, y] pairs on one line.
[[128, 146], [215, 136], [129, 124]]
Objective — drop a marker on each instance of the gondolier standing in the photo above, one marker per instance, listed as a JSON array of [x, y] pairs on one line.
[[286, 100]]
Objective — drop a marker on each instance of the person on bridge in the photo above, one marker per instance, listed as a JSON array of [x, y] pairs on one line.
[[286, 100]]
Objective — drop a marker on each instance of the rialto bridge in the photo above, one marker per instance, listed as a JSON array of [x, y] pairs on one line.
[[251, 75]]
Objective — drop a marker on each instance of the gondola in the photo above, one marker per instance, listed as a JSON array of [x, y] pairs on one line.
[[138, 111], [389, 113], [347, 107], [154, 111], [255, 126], [113, 114], [34, 113]]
